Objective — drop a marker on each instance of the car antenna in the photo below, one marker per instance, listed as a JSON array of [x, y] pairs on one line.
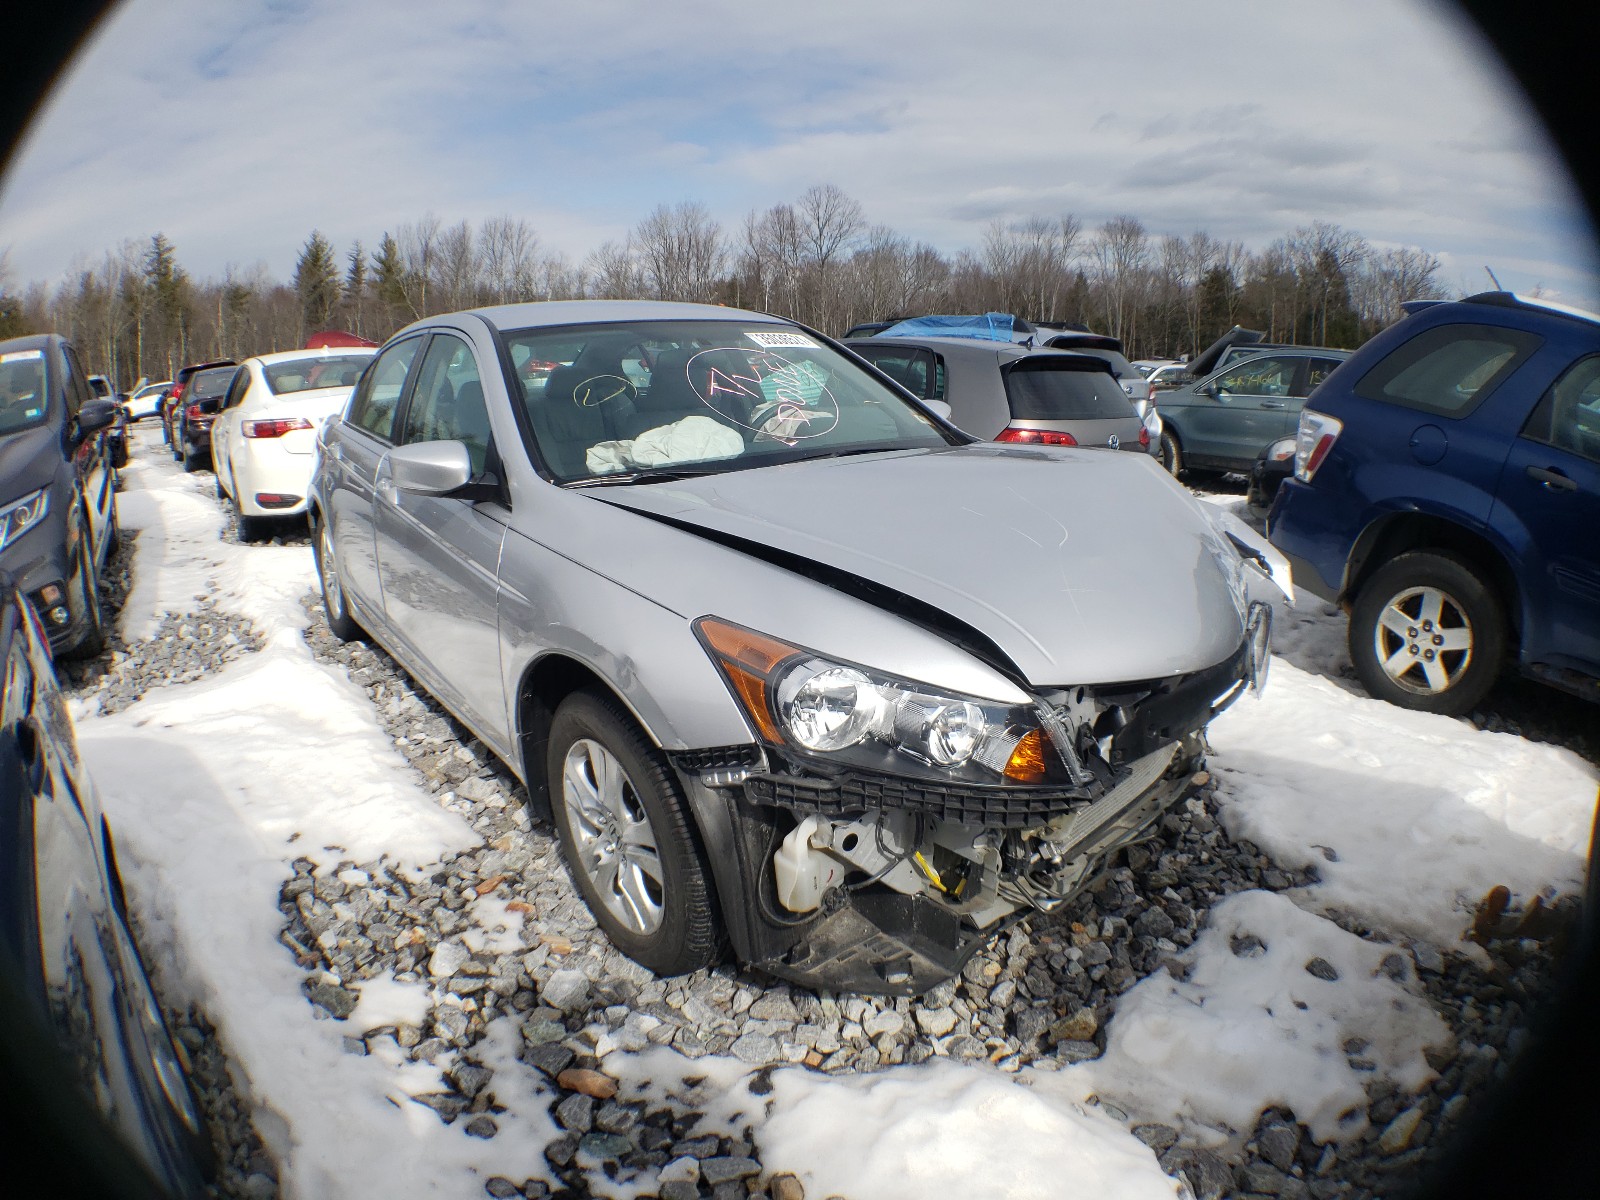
[[1497, 286]]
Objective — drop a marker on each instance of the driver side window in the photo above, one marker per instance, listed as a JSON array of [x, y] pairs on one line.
[[447, 402]]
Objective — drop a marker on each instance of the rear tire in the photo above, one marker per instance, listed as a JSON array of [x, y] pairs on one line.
[[340, 622], [630, 847], [1427, 633], [193, 460], [1171, 454]]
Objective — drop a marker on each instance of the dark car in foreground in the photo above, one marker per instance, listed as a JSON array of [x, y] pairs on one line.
[[83, 1044], [793, 663], [58, 502], [1447, 493], [1005, 392], [1223, 422]]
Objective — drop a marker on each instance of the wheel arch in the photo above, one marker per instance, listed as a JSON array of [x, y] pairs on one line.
[[1398, 533], [545, 683]]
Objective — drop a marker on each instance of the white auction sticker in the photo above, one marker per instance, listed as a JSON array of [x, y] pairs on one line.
[[21, 355], [774, 341]]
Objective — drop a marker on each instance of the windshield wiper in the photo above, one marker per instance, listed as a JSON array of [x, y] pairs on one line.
[[650, 475]]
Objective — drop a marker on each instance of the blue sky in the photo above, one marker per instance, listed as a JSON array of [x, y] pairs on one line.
[[235, 129]]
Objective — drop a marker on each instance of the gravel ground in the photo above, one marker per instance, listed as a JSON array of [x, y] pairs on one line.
[[1040, 996]]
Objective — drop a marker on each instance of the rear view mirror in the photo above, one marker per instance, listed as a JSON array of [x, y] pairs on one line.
[[94, 416], [940, 407]]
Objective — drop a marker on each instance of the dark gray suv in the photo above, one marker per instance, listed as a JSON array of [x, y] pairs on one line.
[[58, 502]]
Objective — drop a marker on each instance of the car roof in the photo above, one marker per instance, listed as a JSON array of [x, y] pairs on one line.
[[33, 341], [550, 313], [278, 356], [983, 347], [1535, 303]]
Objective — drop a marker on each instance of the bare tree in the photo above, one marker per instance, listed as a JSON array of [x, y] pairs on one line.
[[419, 251], [613, 272], [1117, 255], [508, 248], [680, 251]]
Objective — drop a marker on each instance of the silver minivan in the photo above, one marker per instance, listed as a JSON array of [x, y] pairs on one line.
[[791, 662]]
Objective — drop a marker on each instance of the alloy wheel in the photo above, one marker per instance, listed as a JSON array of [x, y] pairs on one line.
[[1423, 640], [614, 840]]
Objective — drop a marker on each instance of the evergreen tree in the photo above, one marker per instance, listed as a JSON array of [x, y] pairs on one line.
[[355, 289], [316, 283], [389, 281]]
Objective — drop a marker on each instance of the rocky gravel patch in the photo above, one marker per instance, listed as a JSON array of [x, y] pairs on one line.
[[1039, 997]]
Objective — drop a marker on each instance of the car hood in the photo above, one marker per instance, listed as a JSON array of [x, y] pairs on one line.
[[1080, 566], [28, 461]]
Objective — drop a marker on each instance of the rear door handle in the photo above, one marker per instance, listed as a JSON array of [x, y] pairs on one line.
[[1552, 479], [1273, 404]]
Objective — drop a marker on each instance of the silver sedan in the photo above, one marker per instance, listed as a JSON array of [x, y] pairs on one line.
[[790, 662]]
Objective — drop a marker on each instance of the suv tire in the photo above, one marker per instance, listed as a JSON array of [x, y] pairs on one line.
[[626, 836], [1427, 633]]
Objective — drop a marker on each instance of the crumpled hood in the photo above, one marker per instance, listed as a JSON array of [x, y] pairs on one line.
[[1083, 566]]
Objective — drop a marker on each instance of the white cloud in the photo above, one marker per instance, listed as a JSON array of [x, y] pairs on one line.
[[1241, 118]]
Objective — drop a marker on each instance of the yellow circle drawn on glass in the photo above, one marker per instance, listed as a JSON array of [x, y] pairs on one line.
[[597, 389]]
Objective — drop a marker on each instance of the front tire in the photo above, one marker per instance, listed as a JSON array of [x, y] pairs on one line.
[[340, 622], [627, 839], [1427, 633]]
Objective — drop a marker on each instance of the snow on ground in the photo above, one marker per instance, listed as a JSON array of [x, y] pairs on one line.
[[214, 788]]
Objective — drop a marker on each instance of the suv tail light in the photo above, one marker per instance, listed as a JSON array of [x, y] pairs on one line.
[[192, 413], [272, 427], [1037, 437], [1144, 436], [1313, 440]]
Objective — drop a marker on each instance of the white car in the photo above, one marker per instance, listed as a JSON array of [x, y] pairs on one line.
[[145, 401], [264, 440]]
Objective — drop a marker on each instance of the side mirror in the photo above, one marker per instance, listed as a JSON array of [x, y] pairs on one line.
[[940, 407], [94, 416], [430, 468]]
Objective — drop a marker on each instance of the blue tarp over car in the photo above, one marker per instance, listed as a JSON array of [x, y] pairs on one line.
[[994, 327]]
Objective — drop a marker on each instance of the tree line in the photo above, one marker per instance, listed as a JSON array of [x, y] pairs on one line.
[[138, 313]]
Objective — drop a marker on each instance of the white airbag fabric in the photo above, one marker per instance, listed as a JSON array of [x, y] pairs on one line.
[[692, 439]]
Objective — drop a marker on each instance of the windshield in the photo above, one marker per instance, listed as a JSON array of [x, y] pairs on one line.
[[1046, 388], [323, 371], [22, 391], [612, 399]]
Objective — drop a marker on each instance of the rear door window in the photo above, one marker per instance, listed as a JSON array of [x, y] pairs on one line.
[[1041, 390], [1450, 370], [375, 401], [914, 369]]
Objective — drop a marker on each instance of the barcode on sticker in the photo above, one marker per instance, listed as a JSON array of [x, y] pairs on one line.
[[772, 341]]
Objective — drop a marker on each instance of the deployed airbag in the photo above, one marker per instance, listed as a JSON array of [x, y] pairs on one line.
[[692, 439]]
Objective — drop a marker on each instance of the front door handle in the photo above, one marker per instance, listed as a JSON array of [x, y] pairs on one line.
[[1552, 479], [1273, 404]]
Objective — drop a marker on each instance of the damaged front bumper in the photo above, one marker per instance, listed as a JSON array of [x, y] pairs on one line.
[[893, 899]]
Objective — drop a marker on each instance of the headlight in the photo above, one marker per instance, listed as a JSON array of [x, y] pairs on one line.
[[855, 715], [16, 519]]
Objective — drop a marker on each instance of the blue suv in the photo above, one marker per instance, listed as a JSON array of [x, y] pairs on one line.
[[1446, 493]]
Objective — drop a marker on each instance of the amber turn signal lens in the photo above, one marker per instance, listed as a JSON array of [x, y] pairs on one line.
[[747, 659], [1026, 764]]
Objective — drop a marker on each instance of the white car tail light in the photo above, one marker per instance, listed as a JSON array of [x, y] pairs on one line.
[[1313, 440], [272, 427]]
